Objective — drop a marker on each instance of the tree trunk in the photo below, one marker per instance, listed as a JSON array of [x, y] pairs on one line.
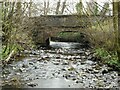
[[30, 5], [63, 7], [57, 8], [46, 7], [119, 32], [116, 21], [0, 29]]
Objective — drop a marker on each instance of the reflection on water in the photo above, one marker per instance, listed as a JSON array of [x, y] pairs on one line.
[[53, 83], [67, 45]]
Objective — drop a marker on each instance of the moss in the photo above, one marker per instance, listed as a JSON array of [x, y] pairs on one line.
[[70, 36]]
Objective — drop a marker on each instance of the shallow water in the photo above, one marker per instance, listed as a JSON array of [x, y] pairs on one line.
[[66, 45], [65, 65]]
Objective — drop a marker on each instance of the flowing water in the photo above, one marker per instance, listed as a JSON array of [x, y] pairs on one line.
[[65, 65]]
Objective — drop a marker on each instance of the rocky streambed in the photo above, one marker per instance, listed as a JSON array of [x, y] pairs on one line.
[[63, 66]]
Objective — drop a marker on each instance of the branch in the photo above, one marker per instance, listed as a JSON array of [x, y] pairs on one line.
[[10, 55]]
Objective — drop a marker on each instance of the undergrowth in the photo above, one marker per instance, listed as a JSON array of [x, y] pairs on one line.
[[7, 49], [108, 57]]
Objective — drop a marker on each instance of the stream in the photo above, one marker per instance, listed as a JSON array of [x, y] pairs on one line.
[[65, 65]]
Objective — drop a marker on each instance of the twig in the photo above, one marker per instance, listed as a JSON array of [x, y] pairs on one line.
[[10, 55]]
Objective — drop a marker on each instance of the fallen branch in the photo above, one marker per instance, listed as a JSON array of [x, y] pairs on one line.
[[10, 55]]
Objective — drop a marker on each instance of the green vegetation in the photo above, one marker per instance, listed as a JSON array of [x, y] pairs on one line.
[[6, 50], [107, 57], [70, 36], [14, 35], [102, 36]]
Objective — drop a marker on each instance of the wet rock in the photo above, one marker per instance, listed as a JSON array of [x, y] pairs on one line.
[[74, 79], [104, 71], [37, 78], [69, 57], [63, 69], [87, 53], [27, 52], [82, 62], [25, 66], [71, 68], [32, 84], [83, 57], [79, 81], [113, 84], [56, 63], [95, 71], [31, 63], [34, 52], [81, 52], [90, 58], [59, 72], [6, 72], [53, 74], [39, 59], [36, 67], [67, 76], [97, 67], [22, 69], [65, 63], [17, 73], [89, 62], [89, 69], [57, 57], [14, 68], [77, 57]]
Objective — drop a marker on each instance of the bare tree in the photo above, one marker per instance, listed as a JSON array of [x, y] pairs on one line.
[[79, 7], [63, 6], [46, 7], [105, 9], [57, 8]]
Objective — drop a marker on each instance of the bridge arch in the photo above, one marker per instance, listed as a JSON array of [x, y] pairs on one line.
[[48, 26]]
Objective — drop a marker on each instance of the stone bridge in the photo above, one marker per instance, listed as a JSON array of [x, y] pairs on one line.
[[48, 26]]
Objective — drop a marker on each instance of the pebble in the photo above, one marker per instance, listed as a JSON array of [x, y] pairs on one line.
[[65, 63], [87, 53], [30, 63], [32, 84], [83, 57], [89, 57], [104, 71], [91, 75], [96, 71], [25, 66], [22, 70], [56, 63]]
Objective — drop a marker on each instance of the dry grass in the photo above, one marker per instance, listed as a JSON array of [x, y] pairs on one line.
[[102, 34]]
